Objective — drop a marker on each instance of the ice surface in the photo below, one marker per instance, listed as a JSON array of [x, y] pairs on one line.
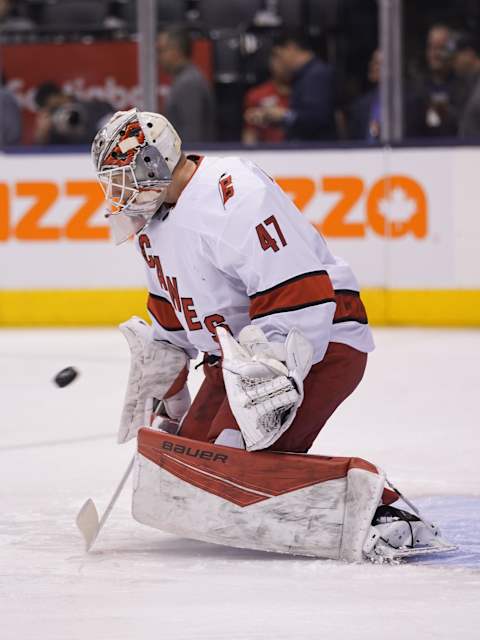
[[415, 415]]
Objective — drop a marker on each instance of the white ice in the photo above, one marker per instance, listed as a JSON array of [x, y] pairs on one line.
[[415, 414]]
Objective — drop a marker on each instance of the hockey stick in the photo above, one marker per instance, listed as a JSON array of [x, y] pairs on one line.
[[408, 503], [87, 518]]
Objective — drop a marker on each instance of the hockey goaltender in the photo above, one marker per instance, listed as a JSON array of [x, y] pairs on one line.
[[236, 272]]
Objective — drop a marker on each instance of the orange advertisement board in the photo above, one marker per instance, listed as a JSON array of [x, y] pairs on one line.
[[395, 227]]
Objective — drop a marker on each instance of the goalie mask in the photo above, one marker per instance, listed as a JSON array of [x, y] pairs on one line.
[[134, 156]]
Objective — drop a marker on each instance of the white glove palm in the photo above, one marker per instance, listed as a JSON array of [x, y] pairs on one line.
[[264, 382]]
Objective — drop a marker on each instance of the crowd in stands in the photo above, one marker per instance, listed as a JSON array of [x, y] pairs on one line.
[[444, 100], [302, 97]]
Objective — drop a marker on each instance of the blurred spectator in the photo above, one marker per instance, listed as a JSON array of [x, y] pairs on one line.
[[63, 119], [10, 118], [190, 105], [467, 67], [273, 93], [10, 19], [363, 117], [432, 100], [311, 112], [466, 62]]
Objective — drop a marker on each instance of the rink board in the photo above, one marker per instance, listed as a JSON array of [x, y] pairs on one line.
[[405, 219], [106, 307]]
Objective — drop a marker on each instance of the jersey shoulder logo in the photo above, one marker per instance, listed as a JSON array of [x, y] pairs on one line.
[[226, 188]]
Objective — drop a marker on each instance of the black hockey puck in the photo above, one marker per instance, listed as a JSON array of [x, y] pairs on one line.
[[65, 376]]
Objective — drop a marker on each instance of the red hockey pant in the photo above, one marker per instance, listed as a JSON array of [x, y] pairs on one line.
[[326, 387]]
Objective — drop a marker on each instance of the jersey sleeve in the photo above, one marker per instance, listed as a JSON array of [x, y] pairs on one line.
[[282, 262]]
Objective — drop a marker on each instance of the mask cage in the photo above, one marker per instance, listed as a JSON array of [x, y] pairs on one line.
[[119, 186]]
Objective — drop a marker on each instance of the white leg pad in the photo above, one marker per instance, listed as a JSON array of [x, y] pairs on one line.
[[325, 519]]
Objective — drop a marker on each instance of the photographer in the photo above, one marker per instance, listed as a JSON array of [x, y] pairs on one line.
[[432, 99], [62, 119]]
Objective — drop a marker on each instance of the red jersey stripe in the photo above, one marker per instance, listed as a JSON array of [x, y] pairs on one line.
[[302, 291], [164, 313], [349, 307]]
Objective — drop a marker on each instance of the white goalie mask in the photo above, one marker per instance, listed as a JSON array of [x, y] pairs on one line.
[[134, 156]]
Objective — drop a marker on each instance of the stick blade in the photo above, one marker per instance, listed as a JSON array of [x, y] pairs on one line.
[[87, 522]]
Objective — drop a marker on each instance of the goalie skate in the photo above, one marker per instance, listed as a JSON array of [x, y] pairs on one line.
[[397, 534]]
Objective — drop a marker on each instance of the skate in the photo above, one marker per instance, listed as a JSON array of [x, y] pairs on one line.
[[398, 534]]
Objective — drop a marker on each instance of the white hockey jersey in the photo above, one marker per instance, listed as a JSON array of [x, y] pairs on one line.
[[234, 250]]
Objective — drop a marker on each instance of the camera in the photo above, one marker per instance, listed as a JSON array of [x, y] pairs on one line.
[[70, 121]]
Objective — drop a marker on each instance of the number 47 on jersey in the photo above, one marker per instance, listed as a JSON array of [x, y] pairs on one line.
[[267, 240]]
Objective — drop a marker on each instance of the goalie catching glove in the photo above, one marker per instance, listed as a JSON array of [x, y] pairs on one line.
[[264, 382], [157, 370]]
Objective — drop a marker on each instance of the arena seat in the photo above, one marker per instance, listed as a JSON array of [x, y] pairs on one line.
[[227, 56], [73, 14], [219, 14], [291, 13], [168, 12], [323, 14]]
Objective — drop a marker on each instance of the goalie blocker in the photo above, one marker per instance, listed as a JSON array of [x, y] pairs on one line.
[[286, 503]]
